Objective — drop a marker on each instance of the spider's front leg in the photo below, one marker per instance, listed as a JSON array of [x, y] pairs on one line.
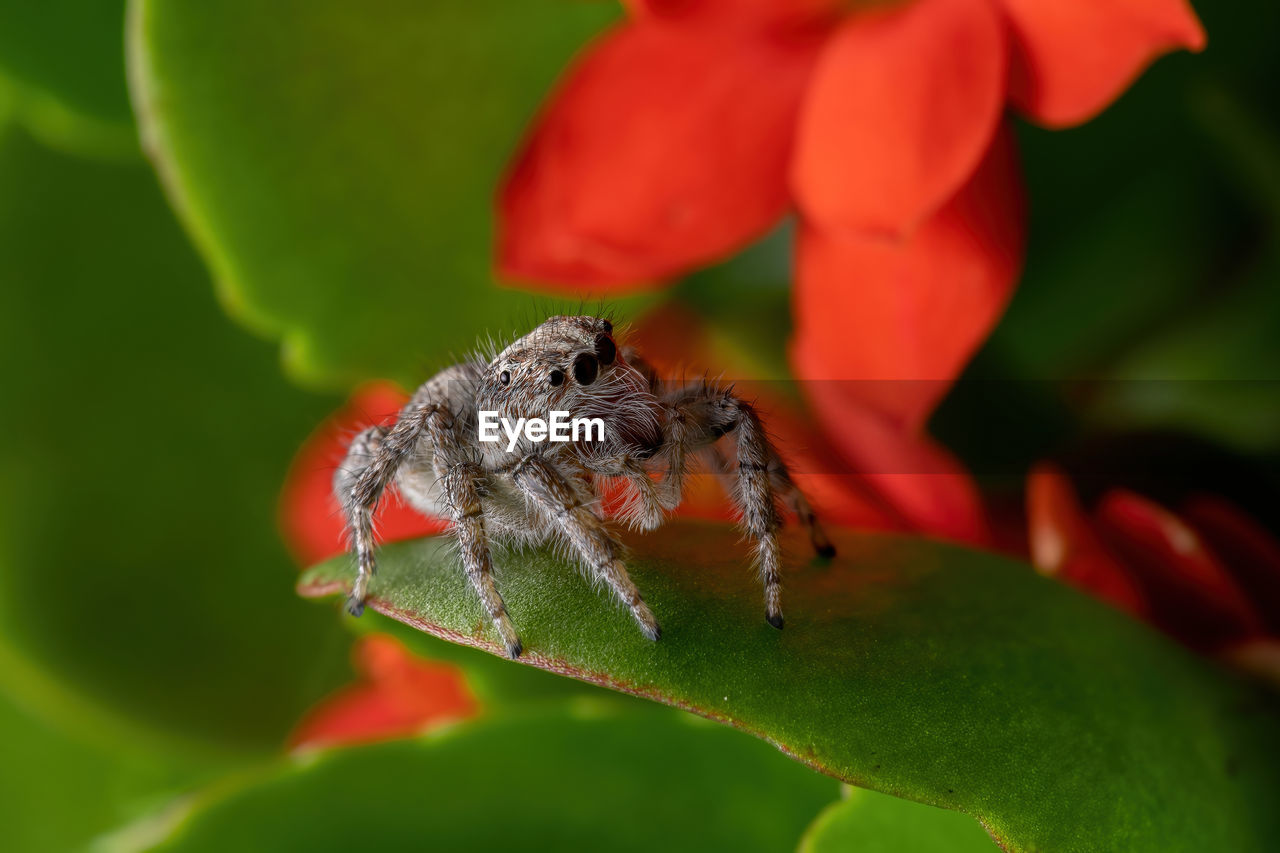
[[372, 460], [461, 476], [382, 452], [553, 493], [360, 456]]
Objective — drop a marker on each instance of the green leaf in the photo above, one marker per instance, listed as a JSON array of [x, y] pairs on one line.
[[869, 822], [952, 677], [495, 684], [71, 791], [143, 444], [1212, 374], [337, 163], [586, 781], [1213, 371], [1118, 258], [63, 62]]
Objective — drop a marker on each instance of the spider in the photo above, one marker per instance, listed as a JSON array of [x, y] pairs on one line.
[[550, 492]]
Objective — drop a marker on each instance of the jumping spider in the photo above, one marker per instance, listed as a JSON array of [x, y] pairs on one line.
[[551, 491]]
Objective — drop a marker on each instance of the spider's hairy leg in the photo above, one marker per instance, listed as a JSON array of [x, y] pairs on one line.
[[461, 478], [372, 462], [699, 416], [787, 489], [361, 453], [784, 487], [757, 500], [551, 492], [461, 487]]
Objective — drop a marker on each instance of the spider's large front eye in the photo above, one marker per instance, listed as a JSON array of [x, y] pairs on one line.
[[585, 369], [606, 350], [504, 377]]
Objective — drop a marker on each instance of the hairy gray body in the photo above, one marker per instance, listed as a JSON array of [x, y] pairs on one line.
[[551, 492]]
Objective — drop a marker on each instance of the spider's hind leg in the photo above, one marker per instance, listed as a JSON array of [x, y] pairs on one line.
[[791, 493], [787, 491], [710, 412]]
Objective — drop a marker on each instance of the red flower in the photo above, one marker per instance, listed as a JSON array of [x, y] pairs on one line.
[[397, 695], [1208, 575], [693, 128]]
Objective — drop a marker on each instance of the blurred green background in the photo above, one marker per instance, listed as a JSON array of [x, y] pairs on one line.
[[158, 379]]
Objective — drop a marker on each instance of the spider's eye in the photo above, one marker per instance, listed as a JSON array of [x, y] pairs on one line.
[[606, 349], [556, 378], [585, 368], [608, 327], [504, 377]]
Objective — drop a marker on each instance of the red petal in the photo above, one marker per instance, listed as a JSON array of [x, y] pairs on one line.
[[902, 107], [1064, 544], [663, 150], [918, 479], [310, 519], [1192, 595], [902, 318], [397, 695], [1071, 58], [742, 14], [1249, 551]]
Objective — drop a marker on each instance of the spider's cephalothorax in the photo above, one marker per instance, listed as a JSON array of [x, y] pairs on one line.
[[530, 489]]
